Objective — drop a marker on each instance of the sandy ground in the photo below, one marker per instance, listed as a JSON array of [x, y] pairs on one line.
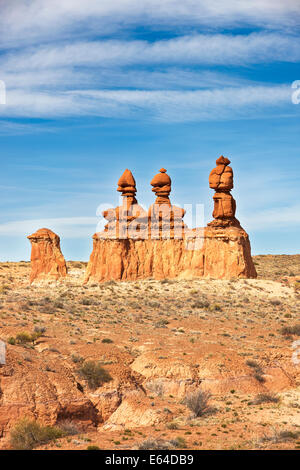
[[163, 341]]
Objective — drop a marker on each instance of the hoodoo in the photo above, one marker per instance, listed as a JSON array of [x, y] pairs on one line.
[[139, 245], [47, 260]]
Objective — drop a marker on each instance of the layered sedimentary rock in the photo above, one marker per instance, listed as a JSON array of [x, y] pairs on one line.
[[208, 253], [167, 248], [47, 260]]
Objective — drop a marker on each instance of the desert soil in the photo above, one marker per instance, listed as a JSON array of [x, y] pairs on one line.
[[160, 341]]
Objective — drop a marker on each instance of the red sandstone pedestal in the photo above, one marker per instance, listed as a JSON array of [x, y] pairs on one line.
[[47, 260], [204, 253]]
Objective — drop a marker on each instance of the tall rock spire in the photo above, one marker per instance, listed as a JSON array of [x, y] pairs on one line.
[[221, 180], [127, 186], [165, 220], [162, 187], [121, 220]]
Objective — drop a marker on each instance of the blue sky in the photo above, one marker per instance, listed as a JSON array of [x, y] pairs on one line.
[[95, 87]]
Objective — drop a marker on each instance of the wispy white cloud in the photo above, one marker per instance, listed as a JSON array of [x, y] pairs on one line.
[[174, 106], [36, 20], [193, 49]]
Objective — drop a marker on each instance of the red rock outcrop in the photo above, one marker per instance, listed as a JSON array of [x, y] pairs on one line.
[[209, 253], [171, 250], [47, 260], [164, 219], [28, 389], [130, 217], [221, 179]]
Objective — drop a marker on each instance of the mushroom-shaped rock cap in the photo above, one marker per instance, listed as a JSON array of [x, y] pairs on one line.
[[126, 179], [161, 179], [126, 184], [43, 233], [222, 161]]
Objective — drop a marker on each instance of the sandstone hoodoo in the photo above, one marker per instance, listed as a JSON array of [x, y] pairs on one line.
[[47, 260], [224, 236], [165, 220], [137, 245], [125, 220], [221, 180]]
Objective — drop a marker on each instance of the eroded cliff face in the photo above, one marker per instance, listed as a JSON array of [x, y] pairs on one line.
[[159, 245], [209, 253], [47, 260]]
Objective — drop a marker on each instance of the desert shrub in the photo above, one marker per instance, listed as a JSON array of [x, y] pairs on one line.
[[259, 377], [257, 370], [94, 374], [11, 340], [266, 398], [156, 386], [215, 307], [172, 425], [197, 402], [24, 337], [93, 448], [161, 323], [288, 435], [107, 340], [69, 428], [291, 330], [40, 329], [275, 302], [179, 442], [200, 304], [28, 434], [155, 444], [4, 289], [280, 436], [58, 305], [77, 359]]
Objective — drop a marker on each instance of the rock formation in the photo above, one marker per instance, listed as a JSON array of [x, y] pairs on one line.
[[125, 220], [171, 250], [47, 260], [165, 220], [221, 180]]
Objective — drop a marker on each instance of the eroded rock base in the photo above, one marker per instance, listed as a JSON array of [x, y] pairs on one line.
[[207, 253]]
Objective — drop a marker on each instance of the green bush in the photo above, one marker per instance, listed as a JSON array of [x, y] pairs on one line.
[[28, 434], [24, 338], [94, 374], [93, 448]]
